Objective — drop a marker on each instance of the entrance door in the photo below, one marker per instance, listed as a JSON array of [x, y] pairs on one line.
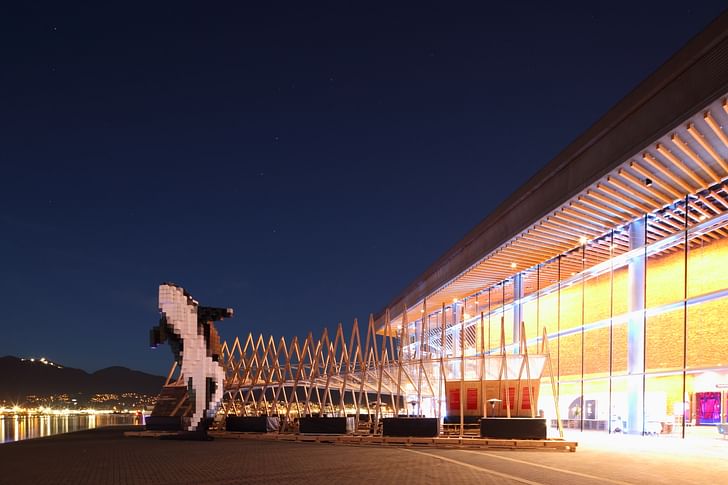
[[707, 407]]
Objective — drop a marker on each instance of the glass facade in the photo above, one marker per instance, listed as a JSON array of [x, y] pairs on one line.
[[635, 321]]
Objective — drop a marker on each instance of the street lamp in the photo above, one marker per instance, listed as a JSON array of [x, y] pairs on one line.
[[492, 403]]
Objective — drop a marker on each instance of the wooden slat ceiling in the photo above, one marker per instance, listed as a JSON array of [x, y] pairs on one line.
[[690, 159]]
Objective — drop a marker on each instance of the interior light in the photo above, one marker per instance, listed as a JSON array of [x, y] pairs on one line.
[[513, 265], [582, 240], [702, 218]]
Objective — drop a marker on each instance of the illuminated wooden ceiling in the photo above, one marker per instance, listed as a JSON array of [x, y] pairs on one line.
[[690, 159]]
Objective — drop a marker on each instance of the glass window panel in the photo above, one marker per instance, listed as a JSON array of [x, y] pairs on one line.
[[571, 290], [548, 307], [548, 310], [481, 333], [664, 340], [458, 337], [596, 352], [484, 308], [707, 334], [596, 405], [619, 344], [507, 317], [707, 263], [450, 340], [619, 295], [707, 306], [571, 315], [470, 338], [508, 292], [705, 402], [570, 405], [530, 281], [497, 295], [597, 312], [494, 325], [665, 292], [570, 356], [662, 401], [597, 298], [506, 312], [470, 306], [665, 277], [619, 403], [547, 406], [530, 309]]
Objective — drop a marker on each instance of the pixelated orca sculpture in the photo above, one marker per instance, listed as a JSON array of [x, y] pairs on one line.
[[189, 329]]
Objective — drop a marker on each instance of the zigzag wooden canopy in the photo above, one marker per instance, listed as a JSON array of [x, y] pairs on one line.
[[370, 376]]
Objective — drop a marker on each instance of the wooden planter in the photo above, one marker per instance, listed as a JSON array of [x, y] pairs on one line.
[[419, 427], [252, 424], [326, 425], [513, 428], [163, 423]]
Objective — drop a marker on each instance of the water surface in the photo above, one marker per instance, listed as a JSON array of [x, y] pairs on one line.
[[23, 427]]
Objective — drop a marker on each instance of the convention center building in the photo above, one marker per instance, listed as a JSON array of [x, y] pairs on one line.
[[618, 248]]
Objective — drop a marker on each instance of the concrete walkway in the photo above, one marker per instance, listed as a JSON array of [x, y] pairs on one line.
[[104, 456]]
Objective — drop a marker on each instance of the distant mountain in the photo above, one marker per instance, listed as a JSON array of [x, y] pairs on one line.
[[21, 377]]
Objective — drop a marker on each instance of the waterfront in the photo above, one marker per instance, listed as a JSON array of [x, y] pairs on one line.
[[22, 426], [104, 455]]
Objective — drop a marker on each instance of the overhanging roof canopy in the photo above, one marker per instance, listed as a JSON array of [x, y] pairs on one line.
[[672, 129]]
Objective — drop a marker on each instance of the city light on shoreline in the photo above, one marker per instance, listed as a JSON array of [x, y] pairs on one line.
[[47, 411]]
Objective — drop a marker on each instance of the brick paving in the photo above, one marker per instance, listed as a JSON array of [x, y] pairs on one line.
[[105, 456]]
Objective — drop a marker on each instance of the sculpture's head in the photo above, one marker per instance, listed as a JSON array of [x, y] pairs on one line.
[[178, 309]]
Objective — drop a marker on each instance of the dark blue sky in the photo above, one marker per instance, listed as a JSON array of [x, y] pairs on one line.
[[301, 165]]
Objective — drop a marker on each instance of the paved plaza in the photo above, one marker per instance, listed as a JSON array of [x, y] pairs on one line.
[[105, 456]]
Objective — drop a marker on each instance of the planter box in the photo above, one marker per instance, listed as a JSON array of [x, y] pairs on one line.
[[252, 424], [163, 423], [326, 425], [419, 427], [513, 428]]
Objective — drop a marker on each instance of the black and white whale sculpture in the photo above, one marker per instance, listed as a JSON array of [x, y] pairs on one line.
[[189, 329]]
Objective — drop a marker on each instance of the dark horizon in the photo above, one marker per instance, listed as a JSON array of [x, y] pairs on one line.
[[299, 166]]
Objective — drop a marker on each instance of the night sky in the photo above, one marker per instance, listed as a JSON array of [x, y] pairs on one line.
[[301, 165]]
